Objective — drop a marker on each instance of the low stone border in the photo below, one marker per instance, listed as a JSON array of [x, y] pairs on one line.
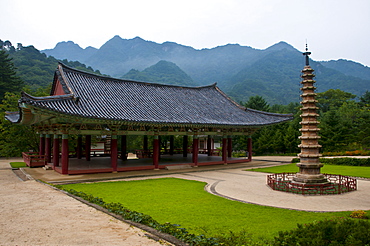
[[21, 174]]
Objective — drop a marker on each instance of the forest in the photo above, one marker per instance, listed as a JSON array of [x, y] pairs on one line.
[[344, 125], [344, 117]]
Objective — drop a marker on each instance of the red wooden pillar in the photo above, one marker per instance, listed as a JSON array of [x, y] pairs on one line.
[[195, 150], [156, 152], [88, 147], [79, 147], [209, 145], [249, 147], [123, 147], [56, 151], [224, 150], [65, 154], [42, 145], [185, 146], [114, 153], [171, 144], [229, 147], [48, 148]]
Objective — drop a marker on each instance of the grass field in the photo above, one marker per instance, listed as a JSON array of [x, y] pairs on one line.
[[354, 171], [186, 203], [17, 164]]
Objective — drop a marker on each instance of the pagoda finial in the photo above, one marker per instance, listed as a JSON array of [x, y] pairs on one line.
[[307, 53]]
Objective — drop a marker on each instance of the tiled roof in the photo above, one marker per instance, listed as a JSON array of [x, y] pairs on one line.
[[98, 97]]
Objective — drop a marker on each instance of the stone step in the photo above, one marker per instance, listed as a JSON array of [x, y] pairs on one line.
[[178, 167]]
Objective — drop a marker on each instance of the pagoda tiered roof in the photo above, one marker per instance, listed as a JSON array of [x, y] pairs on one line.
[[83, 95]]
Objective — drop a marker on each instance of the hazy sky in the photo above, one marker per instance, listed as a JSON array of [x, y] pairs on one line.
[[333, 28]]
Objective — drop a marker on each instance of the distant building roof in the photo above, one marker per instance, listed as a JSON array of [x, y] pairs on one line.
[[89, 96]]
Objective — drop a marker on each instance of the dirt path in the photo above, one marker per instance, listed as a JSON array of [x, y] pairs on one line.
[[35, 214]]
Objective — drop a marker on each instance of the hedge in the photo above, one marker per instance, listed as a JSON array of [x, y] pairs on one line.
[[328, 232], [365, 162]]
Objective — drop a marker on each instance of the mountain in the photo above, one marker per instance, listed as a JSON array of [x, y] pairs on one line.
[[118, 56], [163, 72], [71, 51], [35, 68], [241, 71], [350, 68], [276, 78], [204, 66]]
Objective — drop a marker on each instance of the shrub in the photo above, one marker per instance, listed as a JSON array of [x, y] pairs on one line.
[[349, 153], [239, 153], [359, 214], [239, 239], [346, 161], [327, 232]]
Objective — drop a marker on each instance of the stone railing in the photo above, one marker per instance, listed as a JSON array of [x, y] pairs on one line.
[[336, 184]]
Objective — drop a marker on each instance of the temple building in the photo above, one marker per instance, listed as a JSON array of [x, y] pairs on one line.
[[82, 105]]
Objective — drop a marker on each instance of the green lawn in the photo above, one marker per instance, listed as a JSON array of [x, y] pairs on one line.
[[354, 171], [185, 202], [17, 164]]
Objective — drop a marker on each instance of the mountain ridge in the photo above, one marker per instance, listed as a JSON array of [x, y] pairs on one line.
[[222, 64], [163, 72]]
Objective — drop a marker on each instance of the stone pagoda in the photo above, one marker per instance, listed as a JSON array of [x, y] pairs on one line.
[[309, 166]]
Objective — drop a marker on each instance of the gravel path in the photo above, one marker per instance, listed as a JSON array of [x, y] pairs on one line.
[[35, 214]]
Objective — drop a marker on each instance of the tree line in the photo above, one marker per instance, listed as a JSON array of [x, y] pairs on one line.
[[344, 123]]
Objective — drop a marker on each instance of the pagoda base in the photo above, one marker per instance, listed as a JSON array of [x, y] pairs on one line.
[[310, 178], [331, 184]]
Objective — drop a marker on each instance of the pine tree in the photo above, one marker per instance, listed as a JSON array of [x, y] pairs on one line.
[[333, 131], [258, 103], [365, 99], [9, 81]]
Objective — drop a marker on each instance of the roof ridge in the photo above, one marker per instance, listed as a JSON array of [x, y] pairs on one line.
[[64, 66], [63, 80], [267, 113], [229, 98], [56, 97]]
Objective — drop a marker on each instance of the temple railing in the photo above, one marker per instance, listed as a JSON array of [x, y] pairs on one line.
[[33, 159], [337, 184]]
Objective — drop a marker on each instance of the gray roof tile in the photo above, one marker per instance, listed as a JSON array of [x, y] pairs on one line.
[[98, 97]]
